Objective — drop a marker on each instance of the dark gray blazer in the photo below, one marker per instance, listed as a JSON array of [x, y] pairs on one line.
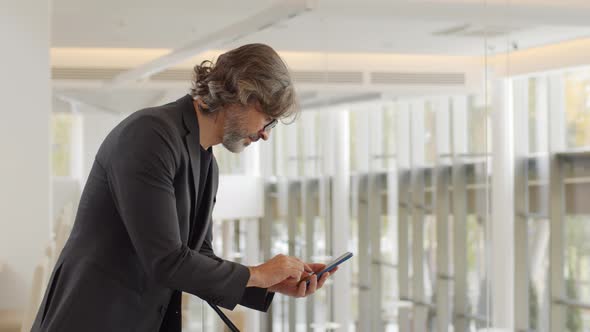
[[139, 239]]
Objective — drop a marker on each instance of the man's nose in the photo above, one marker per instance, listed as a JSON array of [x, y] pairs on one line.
[[265, 135]]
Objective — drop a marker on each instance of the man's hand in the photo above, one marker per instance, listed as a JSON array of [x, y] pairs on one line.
[[276, 270], [299, 288]]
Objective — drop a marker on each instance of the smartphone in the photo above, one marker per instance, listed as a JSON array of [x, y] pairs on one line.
[[331, 266]]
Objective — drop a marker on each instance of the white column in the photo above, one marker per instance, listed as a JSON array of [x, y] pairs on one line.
[[420, 311], [77, 144], [557, 142], [25, 145], [392, 203], [363, 145], [520, 102], [502, 222], [376, 153], [341, 218], [328, 140], [459, 212], [403, 145], [442, 207]]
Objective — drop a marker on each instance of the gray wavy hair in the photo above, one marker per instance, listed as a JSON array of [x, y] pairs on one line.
[[248, 74]]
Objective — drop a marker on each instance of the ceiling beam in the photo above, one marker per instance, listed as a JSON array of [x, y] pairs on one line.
[[280, 11], [73, 99]]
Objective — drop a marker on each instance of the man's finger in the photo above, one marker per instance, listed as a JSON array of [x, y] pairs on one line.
[[297, 275], [317, 267], [304, 266], [323, 279], [300, 265], [313, 284], [298, 262], [301, 289]]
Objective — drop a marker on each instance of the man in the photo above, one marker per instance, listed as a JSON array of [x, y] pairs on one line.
[[142, 234]]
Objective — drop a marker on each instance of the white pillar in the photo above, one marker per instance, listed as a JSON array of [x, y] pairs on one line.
[[520, 102], [502, 222], [341, 218], [459, 134], [77, 144], [557, 142], [403, 161], [442, 210], [25, 145], [417, 162]]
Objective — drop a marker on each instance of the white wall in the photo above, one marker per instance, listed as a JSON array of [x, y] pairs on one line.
[[24, 143]]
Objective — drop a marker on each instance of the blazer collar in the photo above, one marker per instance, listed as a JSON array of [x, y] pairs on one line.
[[193, 145], [192, 141], [189, 116]]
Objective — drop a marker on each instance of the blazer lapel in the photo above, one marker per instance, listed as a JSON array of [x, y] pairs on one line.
[[198, 230], [192, 141]]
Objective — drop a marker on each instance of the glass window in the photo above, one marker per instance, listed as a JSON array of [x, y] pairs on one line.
[[61, 149], [577, 98]]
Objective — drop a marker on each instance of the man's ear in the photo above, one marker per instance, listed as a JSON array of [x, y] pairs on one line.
[[203, 106]]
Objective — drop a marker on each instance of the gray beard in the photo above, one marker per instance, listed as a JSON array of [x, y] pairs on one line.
[[234, 136], [233, 142]]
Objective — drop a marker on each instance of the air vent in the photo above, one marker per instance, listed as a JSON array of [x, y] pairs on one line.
[[313, 77], [173, 75], [104, 74], [320, 77], [65, 73], [336, 77], [407, 78]]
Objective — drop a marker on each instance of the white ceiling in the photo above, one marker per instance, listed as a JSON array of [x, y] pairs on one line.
[[398, 26], [334, 26]]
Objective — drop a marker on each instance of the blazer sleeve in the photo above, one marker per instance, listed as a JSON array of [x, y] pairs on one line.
[[254, 297], [141, 166]]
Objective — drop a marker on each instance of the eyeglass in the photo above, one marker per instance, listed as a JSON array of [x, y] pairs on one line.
[[270, 125], [266, 129]]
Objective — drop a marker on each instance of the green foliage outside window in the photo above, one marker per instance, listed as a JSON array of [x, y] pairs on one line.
[[61, 130]]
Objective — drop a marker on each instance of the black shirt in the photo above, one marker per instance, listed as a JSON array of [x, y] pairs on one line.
[[206, 156]]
